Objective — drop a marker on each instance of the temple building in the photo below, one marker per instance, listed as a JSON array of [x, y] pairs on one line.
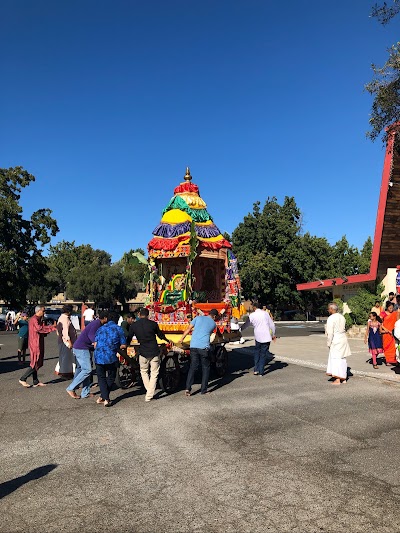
[[385, 252]]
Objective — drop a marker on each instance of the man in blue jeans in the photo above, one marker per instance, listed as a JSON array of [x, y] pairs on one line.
[[202, 327], [81, 349], [264, 333]]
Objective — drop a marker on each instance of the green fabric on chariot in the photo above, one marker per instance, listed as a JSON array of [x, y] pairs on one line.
[[198, 215]]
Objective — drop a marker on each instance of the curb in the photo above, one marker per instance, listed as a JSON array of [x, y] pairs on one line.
[[322, 367]]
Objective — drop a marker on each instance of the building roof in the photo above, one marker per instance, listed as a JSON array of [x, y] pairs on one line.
[[385, 252]]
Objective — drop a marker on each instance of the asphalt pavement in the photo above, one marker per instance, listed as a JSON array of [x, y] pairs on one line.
[[285, 452]]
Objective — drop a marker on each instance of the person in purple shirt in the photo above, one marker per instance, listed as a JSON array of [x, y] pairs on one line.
[[81, 349]]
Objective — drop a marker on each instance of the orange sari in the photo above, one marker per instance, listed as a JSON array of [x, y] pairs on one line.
[[387, 338]]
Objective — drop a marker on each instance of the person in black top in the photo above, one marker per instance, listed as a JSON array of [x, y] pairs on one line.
[[128, 320], [146, 331]]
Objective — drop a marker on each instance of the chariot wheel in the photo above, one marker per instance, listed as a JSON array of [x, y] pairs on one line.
[[170, 373], [126, 377], [221, 361]]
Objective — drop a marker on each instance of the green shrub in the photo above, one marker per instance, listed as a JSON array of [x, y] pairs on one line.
[[360, 305], [349, 321], [299, 316]]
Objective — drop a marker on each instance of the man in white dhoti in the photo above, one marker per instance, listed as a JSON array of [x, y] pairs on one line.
[[338, 345]]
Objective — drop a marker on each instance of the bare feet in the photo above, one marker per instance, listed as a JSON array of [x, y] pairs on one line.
[[40, 384], [90, 395], [336, 382], [73, 394], [107, 403], [24, 384], [187, 393], [99, 400]]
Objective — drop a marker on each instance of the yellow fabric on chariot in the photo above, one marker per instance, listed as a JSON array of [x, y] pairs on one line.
[[193, 200], [173, 327], [238, 313], [211, 239], [208, 223], [175, 216]]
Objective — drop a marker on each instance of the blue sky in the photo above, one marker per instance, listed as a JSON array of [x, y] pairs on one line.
[[107, 102]]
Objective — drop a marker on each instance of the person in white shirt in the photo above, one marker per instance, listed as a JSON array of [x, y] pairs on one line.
[[10, 318], [264, 333], [338, 345], [88, 315]]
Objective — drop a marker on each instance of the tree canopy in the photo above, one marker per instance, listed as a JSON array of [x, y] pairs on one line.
[[274, 255], [385, 84], [22, 264]]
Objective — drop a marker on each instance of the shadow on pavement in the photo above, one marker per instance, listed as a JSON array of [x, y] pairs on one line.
[[8, 487], [139, 391], [241, 362], [11, 366]]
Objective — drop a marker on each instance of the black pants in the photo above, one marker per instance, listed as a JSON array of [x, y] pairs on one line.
[[30, 372], [106, 377], [197, 355]]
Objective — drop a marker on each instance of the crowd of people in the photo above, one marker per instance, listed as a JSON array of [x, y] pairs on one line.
[[107, 335]]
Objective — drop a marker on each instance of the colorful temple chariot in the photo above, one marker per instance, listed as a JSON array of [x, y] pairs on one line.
[[192, 267]]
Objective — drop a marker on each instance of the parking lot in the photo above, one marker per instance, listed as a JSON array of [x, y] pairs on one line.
[[286, 452]]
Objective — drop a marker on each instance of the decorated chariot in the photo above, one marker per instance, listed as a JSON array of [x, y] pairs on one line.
[[191, 270]]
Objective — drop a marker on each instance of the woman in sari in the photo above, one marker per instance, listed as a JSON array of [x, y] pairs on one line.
[[66, 338], [389, 346]]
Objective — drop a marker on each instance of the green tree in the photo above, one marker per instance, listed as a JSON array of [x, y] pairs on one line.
[[385, 84], [65, 256], [345, 259], [264, 243], [21, 239], [132, 273], [365, 256], [274, 256], [360, 304], [97, 283]]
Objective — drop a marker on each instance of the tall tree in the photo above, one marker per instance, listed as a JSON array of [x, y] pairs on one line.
[[385, 84], [92, 282], [65, 256], [262, 243], [345, 259], [21, 239]]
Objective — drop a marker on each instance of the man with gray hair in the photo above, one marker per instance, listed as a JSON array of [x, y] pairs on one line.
[[37, 332], [338, 345]]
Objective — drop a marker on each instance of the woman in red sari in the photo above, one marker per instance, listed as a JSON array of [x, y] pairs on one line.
[[389, 346]]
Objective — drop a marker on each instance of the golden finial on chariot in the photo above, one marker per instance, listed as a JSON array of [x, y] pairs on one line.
[[187, 176]]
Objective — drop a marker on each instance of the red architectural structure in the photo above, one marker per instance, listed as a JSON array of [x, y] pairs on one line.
[[385, 251]]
